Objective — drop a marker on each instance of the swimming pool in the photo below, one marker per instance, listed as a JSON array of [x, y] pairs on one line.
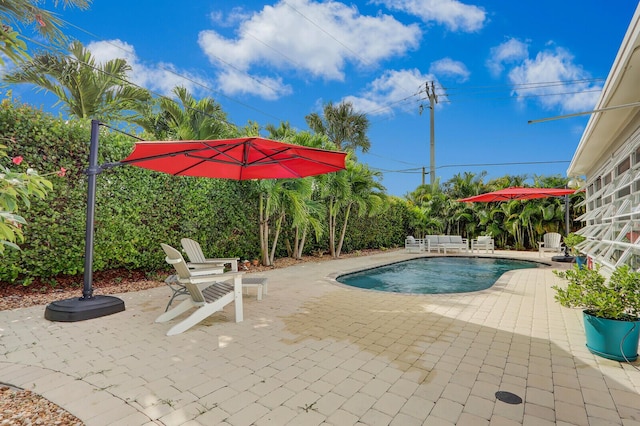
[[432, 275]]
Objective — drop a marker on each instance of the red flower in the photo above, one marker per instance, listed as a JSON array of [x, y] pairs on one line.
[[17, 160], [40, 21], [62, 171]]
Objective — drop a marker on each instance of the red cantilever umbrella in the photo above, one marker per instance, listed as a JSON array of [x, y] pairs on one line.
[[517, 193], [239, 159]]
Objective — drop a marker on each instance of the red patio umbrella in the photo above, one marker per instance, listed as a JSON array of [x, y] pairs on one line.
[[239, 159], [517, 193], [520, 193]]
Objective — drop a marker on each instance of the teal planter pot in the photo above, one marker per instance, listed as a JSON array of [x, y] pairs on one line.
[[581, 261], [612, 339]]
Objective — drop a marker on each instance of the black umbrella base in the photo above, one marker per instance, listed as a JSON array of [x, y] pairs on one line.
[[79, 309], [566, 259]]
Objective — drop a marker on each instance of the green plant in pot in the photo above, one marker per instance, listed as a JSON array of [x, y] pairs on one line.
[[611, 309], [571, 241]]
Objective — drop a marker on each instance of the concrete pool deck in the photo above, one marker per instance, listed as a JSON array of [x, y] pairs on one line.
[[314, 352]]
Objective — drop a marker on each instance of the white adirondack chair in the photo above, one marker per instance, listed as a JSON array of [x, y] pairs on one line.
[[209, 292], [550, 242], [197, 258]]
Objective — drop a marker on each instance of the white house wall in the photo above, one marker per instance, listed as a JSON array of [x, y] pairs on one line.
[[612, 221], [608, 158]]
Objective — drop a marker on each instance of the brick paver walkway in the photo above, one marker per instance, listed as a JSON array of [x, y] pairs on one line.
[[314, 352]]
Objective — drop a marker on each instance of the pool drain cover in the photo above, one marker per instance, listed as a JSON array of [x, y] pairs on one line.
[[508, 397]]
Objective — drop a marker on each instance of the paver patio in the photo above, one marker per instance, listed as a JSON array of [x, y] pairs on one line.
[[314, 352]]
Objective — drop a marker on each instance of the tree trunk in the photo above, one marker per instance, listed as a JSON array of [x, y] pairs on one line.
[[290, 250], [275, 239], [264, 232], [301, 246], [344, 230], [294, 252], [332, 229]]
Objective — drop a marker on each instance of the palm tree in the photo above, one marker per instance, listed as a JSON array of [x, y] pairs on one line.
[[463, 217], [342, 125], [305, 212], [506, 182], [465, 185], [188, 118], [288, 201], [367, 196], [27, 12], [355, 187], [282, 132], [85, 88], [431, 202]]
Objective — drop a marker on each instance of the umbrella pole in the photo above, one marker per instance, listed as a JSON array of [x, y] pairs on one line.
[[567, 226], [88, 306]]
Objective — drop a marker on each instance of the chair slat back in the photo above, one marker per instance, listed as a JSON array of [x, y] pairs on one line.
[[193, 250], [551, 239], [195, 292], [175, 259]]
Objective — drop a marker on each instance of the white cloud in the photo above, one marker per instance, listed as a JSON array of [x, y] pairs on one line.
[[395, 89], [266, 87], [551, 79], [449, 67], [307, 37], [555, 81], [160, 77], [236, 15], [454, 14], [510, 51]]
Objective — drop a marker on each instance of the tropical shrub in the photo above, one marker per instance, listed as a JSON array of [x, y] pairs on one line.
[[615, 298]]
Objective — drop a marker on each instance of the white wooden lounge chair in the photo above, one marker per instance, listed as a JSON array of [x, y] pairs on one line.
[[550, 242], [209, 292], [197, 258], [483, 242], [413, 245]]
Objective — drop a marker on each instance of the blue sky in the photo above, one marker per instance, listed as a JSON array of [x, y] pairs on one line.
[[495, 66]]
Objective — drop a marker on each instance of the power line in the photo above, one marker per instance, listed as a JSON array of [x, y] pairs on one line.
[[391, 103], [541, 95], [418, 170], [364, 61], [532, 85]]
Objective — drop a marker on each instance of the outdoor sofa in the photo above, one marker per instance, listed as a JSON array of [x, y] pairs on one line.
[[437, 243]]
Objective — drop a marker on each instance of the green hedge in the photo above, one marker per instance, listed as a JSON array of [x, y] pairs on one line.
[[136, 209]]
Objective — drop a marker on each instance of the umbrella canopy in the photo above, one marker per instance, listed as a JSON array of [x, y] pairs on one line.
[[517, 193], [239, 159]]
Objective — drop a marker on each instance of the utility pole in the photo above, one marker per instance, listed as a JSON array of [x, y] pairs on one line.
[[433, 99]]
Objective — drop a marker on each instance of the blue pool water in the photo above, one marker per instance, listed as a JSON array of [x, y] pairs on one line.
[[435, 275]]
